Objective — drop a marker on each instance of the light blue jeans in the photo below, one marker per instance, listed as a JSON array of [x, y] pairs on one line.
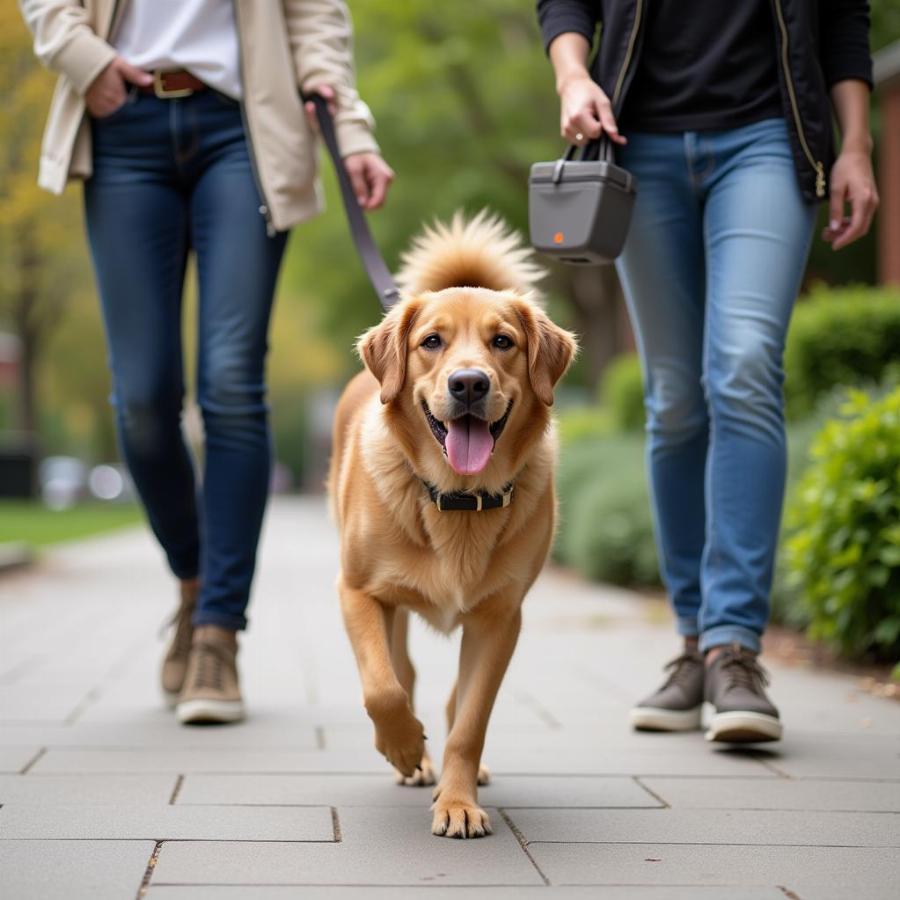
[[712, 265]]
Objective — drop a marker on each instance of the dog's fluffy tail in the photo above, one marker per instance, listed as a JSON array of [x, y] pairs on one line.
[[479, 252]]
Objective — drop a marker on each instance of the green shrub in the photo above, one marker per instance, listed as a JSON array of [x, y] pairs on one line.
[[583, 423], [842, 552], [622, 392], [839, 337], [606, 530]]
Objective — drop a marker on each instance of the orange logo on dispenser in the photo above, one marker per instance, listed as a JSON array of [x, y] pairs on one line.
[[558, 238]]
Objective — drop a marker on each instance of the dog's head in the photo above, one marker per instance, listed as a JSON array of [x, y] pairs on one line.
[[468, 370]]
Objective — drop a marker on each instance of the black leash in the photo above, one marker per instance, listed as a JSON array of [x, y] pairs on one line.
[[372, 260]]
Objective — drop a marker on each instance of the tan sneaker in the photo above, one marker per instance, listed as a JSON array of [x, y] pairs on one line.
[[211, 692], [174, 666]]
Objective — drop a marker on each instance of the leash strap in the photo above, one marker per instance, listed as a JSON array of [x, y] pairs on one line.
[[372, 260]]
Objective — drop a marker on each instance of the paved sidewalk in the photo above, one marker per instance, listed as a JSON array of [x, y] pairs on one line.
[[105, 796]]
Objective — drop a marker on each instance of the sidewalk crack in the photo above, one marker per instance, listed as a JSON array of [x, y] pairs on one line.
[[148, 872], [32, 762], [523, 844], [179, 781]]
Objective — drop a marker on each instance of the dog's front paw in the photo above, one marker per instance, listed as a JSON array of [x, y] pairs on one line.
[[401, 740], [459, 819], [423, 776]]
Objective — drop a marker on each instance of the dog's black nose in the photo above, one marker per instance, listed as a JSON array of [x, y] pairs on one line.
[[468, 385]]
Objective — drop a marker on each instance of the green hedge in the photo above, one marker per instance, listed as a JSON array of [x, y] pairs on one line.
[[839, 337], [606, 530], [622, 392], [842, 553]]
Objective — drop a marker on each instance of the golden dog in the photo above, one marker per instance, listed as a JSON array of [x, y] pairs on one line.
[[452, 411]]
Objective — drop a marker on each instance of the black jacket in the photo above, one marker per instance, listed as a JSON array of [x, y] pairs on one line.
[[820, 42]]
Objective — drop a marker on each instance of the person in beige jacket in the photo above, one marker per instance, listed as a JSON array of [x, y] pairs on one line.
[[184, 120]]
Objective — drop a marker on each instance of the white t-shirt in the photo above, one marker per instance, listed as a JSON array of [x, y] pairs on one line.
[[197, 35]]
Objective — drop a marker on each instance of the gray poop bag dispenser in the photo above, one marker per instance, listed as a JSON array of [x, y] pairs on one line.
[[579, 210]]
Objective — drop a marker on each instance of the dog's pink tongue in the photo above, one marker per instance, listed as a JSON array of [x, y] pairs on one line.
[[469, 444]]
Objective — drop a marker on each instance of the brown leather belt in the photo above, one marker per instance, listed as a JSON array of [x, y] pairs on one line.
[[175, 84]]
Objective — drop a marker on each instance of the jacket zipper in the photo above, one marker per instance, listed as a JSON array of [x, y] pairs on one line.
[[632, 40], [817, 166], [265, 209]]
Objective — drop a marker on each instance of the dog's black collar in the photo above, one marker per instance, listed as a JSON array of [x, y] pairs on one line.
[[476, 502]]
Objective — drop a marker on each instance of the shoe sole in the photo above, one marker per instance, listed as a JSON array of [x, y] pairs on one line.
[[744, 728], [651, 718], [170, 698], [215, 711]]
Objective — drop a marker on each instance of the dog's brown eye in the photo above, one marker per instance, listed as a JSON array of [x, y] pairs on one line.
[[432, 342], [502, 342]]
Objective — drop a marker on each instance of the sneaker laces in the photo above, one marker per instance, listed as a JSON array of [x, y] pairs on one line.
[[742, 670], [211, 662], [181, 622], [680, 668]]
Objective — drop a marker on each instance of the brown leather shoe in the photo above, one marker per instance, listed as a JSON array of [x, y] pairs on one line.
[[211, 691], [174, 666]]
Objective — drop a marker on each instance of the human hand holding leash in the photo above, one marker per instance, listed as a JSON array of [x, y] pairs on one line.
[[109, 90], [370, 175]]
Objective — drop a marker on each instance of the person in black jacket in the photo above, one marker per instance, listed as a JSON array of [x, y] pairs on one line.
[[723, 112]]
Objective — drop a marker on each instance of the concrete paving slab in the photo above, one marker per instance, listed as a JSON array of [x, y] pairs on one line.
[[66, 790], [379, 790], [14, 759], [810, 873], [809, 756], [194, 760], [72, 870], [782, 793], [40, 702], [378, 846], [558, 744], [183, 823], [397, 892], [573, 758], [690, 826], [160, 729]]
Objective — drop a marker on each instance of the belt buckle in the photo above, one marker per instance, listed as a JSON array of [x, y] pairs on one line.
[[163, 92]]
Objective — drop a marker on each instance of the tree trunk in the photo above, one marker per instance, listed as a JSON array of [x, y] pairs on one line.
[[27, 324]]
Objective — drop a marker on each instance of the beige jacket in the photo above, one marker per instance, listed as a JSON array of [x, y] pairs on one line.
[[284, 43]]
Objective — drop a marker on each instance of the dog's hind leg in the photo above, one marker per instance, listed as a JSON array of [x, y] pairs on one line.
[[406, 675]]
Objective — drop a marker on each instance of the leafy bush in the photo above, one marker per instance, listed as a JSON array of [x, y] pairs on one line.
[[622, 392], [842, 553], [606, 530], [582, 423], [839, 337]]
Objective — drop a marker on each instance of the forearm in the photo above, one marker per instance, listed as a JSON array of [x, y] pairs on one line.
[[569, 55], [850, 99], [320, 33], [64, 40]]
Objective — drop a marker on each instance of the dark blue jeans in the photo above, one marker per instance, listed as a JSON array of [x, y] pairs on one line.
[[173, 176]]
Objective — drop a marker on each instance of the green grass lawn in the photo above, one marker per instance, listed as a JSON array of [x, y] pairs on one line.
[[32, 522]]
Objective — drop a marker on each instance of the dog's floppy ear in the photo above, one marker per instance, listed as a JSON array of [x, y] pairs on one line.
[[383, 349], [551, 349]]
